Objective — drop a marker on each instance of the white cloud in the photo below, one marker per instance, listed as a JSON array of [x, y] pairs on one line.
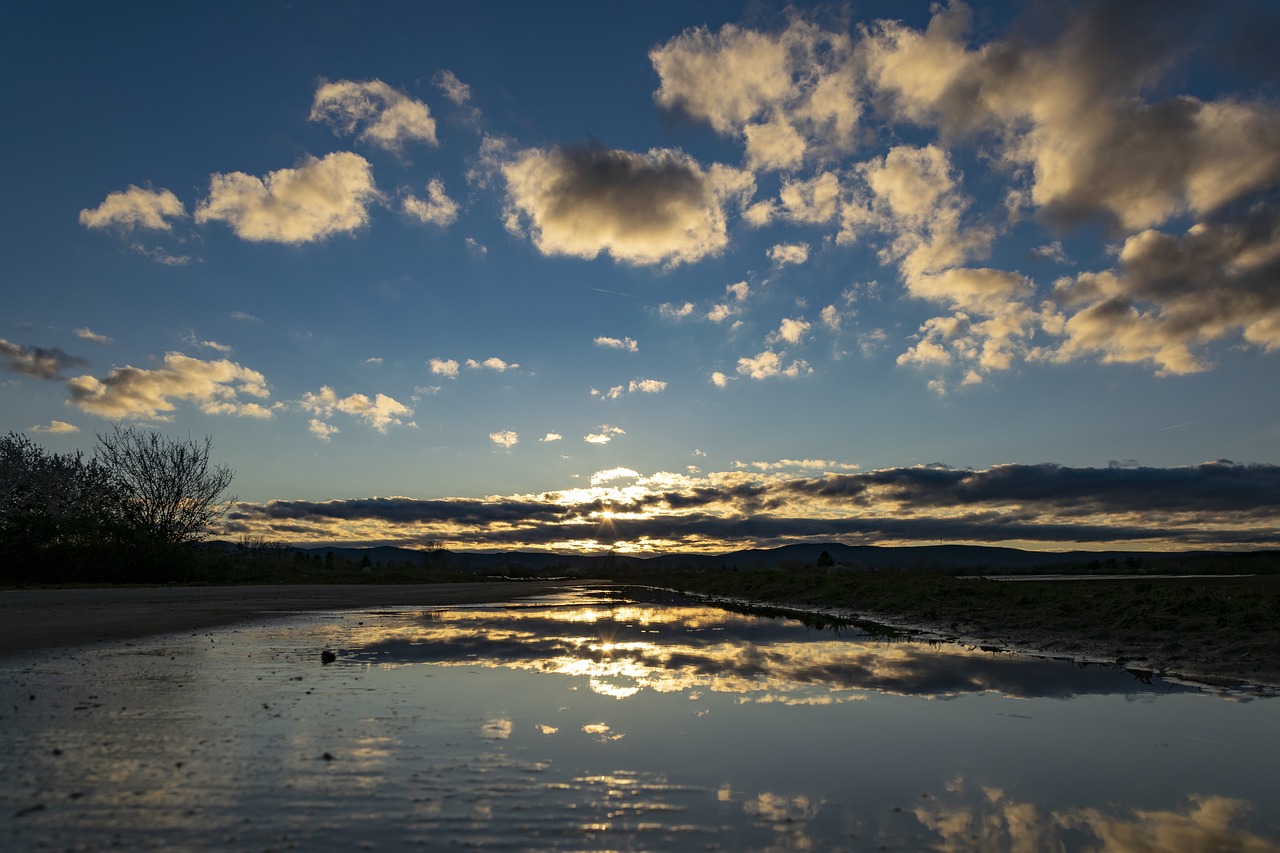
[[87, 334], [913, 195], [791, 331], [389, 117], [831, 318], [454, 89], [627, 344], [720, 380], [789, 95], [191, 338], [641, 208], [133, 393], [322, 430], [769, 364], [813, 464], [244, 317], [135, 208], [814, 201], [551, 436], [381, 413], [476, 248], [491, 363], [789, 253], [603, 434], [720, 313], [444, 367], [374, 359], [635, 386], [437, 209], [56, 427], [669, 311], [505, 438], [611, 474], [316, 200], [646, 386]]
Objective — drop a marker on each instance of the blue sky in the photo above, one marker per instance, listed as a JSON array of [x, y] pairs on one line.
[[661, 276]]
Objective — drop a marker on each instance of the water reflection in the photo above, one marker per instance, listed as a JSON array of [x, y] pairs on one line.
[[975, 817], [590, 722], [628, 647]]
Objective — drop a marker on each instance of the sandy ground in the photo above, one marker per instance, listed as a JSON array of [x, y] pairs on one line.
[[31, 620]]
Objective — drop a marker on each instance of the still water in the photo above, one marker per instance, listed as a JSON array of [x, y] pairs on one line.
[[596, 721]]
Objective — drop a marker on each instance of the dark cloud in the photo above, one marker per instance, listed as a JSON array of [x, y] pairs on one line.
[[653, 207], [1212, 487], [1220, 503], [37, 362], [409, 510]]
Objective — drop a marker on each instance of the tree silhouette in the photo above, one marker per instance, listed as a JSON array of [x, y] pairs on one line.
[[169, 491]]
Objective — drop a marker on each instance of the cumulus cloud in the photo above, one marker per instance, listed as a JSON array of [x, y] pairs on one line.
[[1070, 112], [134, 393], [657, 207], [492, 363], [814, 201], [56, 427], [551, 436], [720, 380], [635, 386], [384, 116], [1175, 293], [627, 344], [381, 412], [791, 331], [770, 364], [789, 95], [646, 386], [135, 208], [789, 253], [436, 209], [735, 296], [668, 311], [322, 430], [505, 438], [603, 434], [444, 367], [316, 200], [37, 362]]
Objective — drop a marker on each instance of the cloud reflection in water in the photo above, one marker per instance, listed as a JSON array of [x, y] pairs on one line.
[[625, 648]]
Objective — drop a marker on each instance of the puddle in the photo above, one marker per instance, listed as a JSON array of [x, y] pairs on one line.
[[585, 722]]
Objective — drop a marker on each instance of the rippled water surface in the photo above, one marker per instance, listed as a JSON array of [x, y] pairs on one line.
[[593, 722]]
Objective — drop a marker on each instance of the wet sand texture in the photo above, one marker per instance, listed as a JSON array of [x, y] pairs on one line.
[[31, 620]]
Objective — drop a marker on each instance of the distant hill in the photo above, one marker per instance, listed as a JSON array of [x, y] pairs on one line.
[[846, 557]]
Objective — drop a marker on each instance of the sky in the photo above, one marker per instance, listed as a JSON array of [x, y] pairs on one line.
[[660, 277]]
